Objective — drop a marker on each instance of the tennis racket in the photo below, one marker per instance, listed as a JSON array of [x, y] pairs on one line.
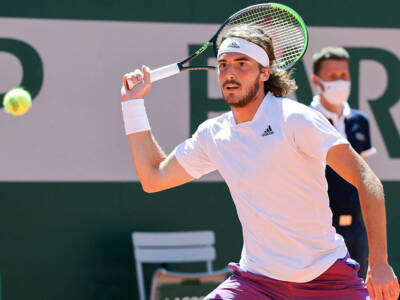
[[285, 27]]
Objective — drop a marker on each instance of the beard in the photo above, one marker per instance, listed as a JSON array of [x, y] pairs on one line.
[[248, 97]]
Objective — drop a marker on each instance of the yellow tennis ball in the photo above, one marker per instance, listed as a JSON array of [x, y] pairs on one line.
[[17, 101]]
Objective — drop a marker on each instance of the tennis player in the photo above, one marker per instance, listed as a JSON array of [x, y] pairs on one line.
[[272, 153]]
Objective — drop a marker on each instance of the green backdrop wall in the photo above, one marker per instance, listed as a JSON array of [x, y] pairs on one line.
[[72, 240]]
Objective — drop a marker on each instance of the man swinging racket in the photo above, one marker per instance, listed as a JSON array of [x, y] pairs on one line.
[[272, 153]]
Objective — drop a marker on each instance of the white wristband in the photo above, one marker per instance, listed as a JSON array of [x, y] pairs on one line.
[[135, 117]]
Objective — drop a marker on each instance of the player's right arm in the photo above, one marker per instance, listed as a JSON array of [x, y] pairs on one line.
[[156, 171]]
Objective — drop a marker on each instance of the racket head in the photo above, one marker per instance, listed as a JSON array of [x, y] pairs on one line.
[[284, 25]]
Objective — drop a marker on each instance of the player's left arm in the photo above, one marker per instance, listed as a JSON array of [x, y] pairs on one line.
[[381, 280]]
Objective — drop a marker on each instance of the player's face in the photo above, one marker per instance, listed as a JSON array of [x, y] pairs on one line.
[[240, 78], [334, 69]]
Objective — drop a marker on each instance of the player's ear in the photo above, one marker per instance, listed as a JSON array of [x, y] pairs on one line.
[[264, 74]]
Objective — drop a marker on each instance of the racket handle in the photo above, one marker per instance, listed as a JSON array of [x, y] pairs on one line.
[[157, 74], [164, 72]]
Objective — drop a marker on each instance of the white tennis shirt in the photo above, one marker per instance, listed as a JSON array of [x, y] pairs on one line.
[[274, 166]]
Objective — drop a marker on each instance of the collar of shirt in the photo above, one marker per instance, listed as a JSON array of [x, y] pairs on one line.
[[316, 104], [338, 120]]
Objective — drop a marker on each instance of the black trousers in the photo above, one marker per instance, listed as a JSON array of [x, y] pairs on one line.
[[355, 237]]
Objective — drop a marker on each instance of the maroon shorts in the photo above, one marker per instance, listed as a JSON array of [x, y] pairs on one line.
[[340, 281]]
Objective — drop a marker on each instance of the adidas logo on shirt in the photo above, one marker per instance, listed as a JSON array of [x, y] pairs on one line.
[[233, 45], [268, 131]]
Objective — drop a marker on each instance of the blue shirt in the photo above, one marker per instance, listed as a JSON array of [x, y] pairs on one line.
[[343, 196]]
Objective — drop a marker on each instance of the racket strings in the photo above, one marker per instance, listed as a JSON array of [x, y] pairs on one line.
[[285, 32], [284, 29]]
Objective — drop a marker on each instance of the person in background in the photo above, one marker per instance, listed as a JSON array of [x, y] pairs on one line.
[[331, 77]]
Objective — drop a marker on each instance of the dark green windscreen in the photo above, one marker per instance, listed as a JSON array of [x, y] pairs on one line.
[[72, 240], [354, 13]]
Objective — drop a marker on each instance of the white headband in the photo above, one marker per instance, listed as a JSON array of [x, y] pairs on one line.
[[233, 44]]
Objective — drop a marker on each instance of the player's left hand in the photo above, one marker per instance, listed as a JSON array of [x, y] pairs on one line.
[[381, 282]]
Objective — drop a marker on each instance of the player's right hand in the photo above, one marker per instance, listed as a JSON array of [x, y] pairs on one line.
[[140, 80]]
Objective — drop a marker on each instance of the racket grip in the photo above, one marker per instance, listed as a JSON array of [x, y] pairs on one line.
[[164, 72], [156, 74]]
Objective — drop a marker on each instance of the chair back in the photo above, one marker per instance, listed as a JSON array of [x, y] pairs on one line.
[[171, 247], [173, 285]]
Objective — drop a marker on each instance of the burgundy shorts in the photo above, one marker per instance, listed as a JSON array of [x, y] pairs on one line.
[[340, 281]]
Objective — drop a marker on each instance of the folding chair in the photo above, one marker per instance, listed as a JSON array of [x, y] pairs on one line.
[[172, 247], [167, 285]]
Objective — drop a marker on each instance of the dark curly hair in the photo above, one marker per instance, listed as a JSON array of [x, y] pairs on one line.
[[280, 82]]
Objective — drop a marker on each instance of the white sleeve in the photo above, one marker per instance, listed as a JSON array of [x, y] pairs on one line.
[[192, 154], [313, 135], [369, 152]]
